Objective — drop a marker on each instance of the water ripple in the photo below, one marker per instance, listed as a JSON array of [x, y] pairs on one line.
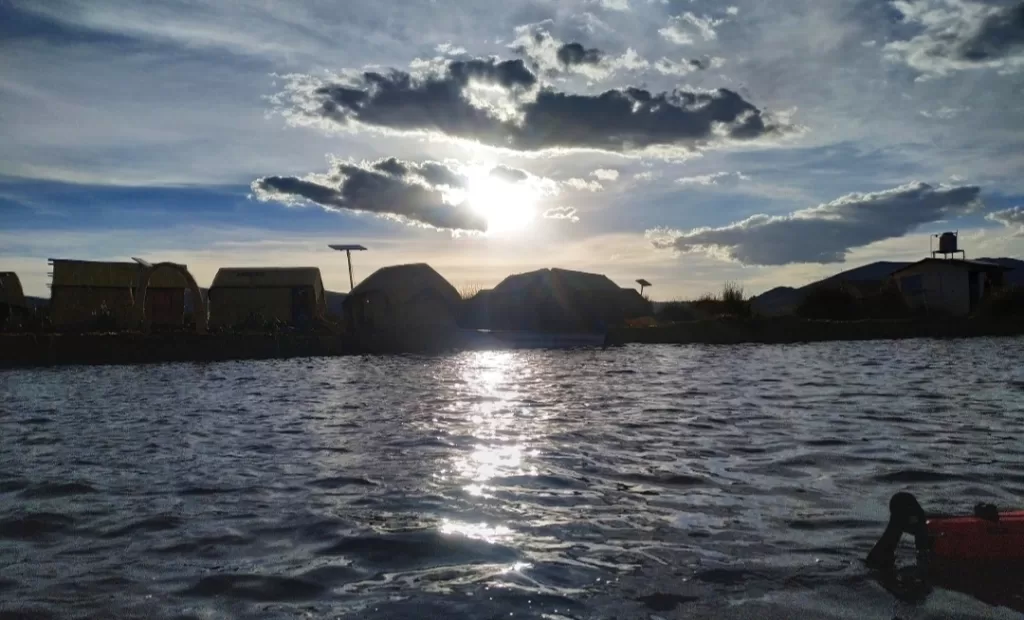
[[637, 482]]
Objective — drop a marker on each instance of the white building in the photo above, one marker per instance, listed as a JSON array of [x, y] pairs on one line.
[[948, 285]]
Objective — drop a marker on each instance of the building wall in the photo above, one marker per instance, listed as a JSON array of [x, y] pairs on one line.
[[933, 286], [72, 306], [233, 306], [375, 311], [165, 306]]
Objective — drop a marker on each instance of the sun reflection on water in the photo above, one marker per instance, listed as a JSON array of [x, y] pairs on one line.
[[478, 531], [497, 427], [497, 421]]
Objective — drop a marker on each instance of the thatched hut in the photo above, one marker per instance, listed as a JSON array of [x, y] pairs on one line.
[[402, 298], [102, 294], [12, 298], [555, 300], [291, 295]]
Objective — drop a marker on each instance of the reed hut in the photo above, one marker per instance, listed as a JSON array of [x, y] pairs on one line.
[[291, 295], [402, 298], [86, 294], [12, 298], [555, 300]]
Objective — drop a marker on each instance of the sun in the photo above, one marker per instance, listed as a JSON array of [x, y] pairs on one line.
[[507, 206]]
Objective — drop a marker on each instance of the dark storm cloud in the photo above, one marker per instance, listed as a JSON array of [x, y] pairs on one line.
[[826, 233], [961, 34], [407, 191], [514, 113], [575, 54]]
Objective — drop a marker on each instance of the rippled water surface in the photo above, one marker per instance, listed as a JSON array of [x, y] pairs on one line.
[[637, 482]]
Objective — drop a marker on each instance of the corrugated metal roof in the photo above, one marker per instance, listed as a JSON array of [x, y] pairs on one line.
[[957, 262], [265, 277], [83, 273]]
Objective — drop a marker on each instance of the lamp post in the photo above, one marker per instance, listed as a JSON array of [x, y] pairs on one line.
[[348, 254], [643, 283]]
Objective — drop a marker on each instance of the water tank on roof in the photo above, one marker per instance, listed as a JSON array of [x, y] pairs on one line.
[[947, 243]]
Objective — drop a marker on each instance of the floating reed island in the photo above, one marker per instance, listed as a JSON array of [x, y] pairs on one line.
[[124, 313]]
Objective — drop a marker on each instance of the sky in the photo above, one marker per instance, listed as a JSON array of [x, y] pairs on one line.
[[688, 142]]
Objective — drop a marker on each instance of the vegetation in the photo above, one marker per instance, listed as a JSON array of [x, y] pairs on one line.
[[843, 303], [674, 311], [730, 303], [469, 291]]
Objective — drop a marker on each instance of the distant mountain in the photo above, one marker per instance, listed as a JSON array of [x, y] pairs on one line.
[[1013, 278], [784, 299]]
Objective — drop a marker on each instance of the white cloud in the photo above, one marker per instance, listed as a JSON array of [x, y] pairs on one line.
[[710, 179], [612, 5], [943, 113], [583, 185], [562, 213], [682, 28], [733, 10], [552, 56], [1010, 218], [961, 35], [647, 175], [605, 174], [448, 49]]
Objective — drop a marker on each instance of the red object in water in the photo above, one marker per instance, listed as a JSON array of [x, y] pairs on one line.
[[975, 539]]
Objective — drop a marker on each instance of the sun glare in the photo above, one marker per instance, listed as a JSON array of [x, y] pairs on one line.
[[507, 206]]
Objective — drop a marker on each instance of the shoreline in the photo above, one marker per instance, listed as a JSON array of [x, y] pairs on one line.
[[792, 330], [28, 350]]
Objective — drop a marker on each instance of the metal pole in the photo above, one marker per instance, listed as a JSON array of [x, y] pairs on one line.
[[351, 284]]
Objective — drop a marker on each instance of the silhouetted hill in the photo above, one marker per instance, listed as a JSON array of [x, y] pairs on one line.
[[783, 299]]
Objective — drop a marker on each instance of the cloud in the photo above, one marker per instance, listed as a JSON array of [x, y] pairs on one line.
[[605, 174], [685, 66], [553, 57], [707, 179], [944, 113], [413, 193], [682, 28], [584, 185], [449, 49], [960, 34], [501, 104], [647, 175], [562, 213], [512, 175], [612, 5], [826, 233], [1010, 218]]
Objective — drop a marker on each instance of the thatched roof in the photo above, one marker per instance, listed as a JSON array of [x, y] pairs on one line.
[[550, 299], [400, 283], [10, 289], [105, 274], [267, 277], [575, 280]]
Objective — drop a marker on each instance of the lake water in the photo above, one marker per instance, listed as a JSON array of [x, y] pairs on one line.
[[635, 482]]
